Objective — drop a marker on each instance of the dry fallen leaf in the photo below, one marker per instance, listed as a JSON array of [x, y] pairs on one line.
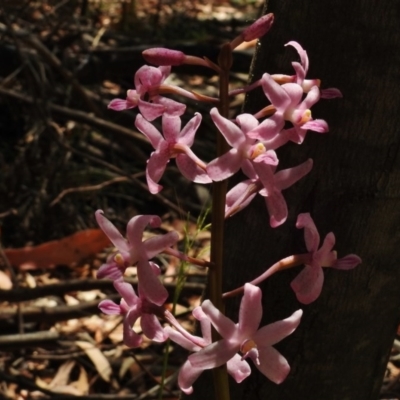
[[5, 281], [73, 248], [101, 363]]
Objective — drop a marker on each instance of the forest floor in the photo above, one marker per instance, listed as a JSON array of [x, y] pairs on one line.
[[63, 155]]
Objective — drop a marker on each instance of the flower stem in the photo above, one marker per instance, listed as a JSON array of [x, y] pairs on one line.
[[219, 189], [285, 263]]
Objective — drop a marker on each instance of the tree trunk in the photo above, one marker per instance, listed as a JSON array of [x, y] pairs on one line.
[[340, 350]]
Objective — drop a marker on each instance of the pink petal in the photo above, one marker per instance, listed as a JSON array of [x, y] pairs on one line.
[[269, 128], [150, 286], [110, 308], [156, 165], [183, 341], [110, 270], [127, 293], [147, 76], [300, 72], [151, 111], [302, 53], [111, 231], [239, 197], [205, 324], [316, 125], [188, 132], [250, 311], [225, 166], [231, 132], [287, 177], [330, 93], [311, 235], [224, 326], [214, 355], [187, 376], [152, 328], [312, 97], [171, 127], [120, 105], [131, 338], [239, 369], [171, 107], [149, 130], [325, 256], [308, 284], [275, 93], [273, 365], [136, 226], [247, 122], [348, 262], [273, 333], [190, 170], [277, 208], [157, 244]]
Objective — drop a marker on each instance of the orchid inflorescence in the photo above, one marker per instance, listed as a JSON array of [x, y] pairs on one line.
[[253, 141]]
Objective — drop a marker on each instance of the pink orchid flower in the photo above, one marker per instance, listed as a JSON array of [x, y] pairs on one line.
[[308, 284], [269, 184], [287, 99], [237, 367], [247, 338], [301, 69], [133, 307], [174, 144], [244, 148], [134, 251], [147, 81]]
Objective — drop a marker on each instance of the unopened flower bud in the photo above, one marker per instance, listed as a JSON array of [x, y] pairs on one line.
[[164, 57], [258, 28]]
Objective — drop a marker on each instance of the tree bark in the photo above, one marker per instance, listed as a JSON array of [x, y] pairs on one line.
[[340, 350]]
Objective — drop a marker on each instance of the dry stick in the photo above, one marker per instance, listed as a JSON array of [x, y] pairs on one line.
[[93, 188], [54, 62], [16, 285], [80, 116], [28, 338], [160, 198], [26, 383], [75, 285]]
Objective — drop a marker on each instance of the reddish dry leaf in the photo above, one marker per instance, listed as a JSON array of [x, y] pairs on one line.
[[65, 251]]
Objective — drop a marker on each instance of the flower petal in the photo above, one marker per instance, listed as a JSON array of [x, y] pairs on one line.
[[225, 166], [308, 284], [231, 132], [111, 231], [250, 311], [273, 333], [109, 307], [273, 365], [152, 328], [214, 355], [275, 93], [224, 326], [187, 376], [311, 235], [287, 177], [190, 170], [238, 368], [155, 169], [149, 130], [150, 286], [348, 262], [188, 132], [171, 127], [155, 245]]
